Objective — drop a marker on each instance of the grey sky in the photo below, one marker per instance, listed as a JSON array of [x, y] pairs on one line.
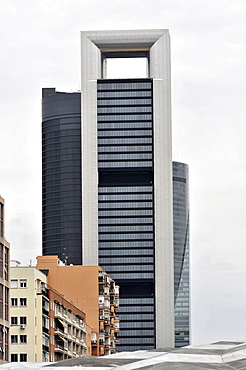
[[40, 48]]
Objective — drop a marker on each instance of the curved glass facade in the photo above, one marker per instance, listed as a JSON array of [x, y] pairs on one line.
[[61, 176], [181, 253]]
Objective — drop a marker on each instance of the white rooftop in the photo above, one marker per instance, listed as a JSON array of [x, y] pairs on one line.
[[219, 355]]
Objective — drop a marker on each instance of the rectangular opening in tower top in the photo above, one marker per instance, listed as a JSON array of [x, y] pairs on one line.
[[127, 68]]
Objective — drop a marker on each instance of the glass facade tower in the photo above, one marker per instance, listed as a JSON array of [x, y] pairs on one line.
[[181, 253], [125, 203], [61, 176]]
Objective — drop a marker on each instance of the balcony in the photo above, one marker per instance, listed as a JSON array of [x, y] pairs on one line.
[[58, 331], [59, 315], [101, 302], [44, 292], [101, 277], [45, 330], [59, 348], [45, 348]]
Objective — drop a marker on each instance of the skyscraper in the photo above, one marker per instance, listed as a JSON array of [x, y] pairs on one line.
[[109, 182], [61, 175], [114, 207], [181, 253]]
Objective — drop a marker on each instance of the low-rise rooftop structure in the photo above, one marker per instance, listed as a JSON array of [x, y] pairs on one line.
[[219, 355]]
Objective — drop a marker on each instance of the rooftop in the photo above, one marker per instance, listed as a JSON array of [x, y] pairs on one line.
[[218, 355]]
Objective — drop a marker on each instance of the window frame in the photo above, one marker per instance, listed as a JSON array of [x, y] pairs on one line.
[[12, 319], [24, 282], [14, 302], [14, 357], [14, 339], [12, 285], [23, 320], [23, 359], [23, 302], [23, 339]]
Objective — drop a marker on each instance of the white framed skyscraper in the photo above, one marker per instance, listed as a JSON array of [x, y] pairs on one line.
[[127, 164]]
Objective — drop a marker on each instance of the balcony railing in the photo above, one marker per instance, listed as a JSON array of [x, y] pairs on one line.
[[45, 330], [59, 348]]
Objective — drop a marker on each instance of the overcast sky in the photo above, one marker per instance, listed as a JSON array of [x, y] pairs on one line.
[[39, 47]]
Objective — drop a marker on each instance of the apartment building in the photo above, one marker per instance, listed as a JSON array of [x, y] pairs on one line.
[[44, 326], [4, 289], [91, 289], [68, 329], [29, 323]]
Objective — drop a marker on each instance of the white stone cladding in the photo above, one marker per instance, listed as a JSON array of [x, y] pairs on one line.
[[157, 44]]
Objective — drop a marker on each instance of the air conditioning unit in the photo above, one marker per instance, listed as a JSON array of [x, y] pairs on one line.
[[22, 326]]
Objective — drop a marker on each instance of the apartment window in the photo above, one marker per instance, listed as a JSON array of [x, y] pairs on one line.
[[23, 283], [23, 339], [6, 304], [14, 357], [23, 302], [14, 320], [23, 320], [23, 357], [14, 339], [6, 265], [14, 302], [14, 284]]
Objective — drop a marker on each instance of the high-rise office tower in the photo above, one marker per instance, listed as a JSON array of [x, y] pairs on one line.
[[61, 176], [114, 207], [127, 180], [181, 253]]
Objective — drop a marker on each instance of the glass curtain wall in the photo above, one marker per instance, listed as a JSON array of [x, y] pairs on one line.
[[61, 176], [181, 253], [125, 204]]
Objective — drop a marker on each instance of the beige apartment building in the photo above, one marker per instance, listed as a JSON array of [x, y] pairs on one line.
[[92, 290], [4, 289], [28, 327], [44, 325]]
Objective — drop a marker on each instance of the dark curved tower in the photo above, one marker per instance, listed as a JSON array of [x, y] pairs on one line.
[[61, 175], [181, 253]]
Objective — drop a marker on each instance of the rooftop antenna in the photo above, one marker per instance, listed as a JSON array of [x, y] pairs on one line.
[[17, 263]]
